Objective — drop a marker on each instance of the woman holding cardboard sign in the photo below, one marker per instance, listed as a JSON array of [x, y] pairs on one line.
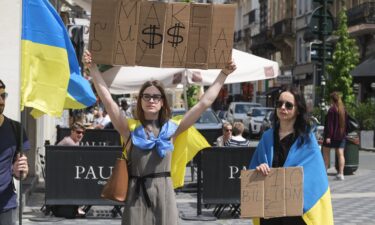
[[154, 136], [291, 143]]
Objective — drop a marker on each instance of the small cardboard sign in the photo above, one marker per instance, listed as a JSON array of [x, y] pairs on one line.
[[222, 35], [200, 29], [151, 33], [126, 29], [113, 31], [276, 195], [102, 31], [176, 35]]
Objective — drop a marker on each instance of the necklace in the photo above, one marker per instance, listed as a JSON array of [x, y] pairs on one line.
[[152, 126]]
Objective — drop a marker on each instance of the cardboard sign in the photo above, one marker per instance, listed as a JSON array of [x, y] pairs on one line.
[[102, 31], [276, 195], [176, 35], [126, 29], [222, 35], [200, 29], [151, 33], [191, 35], [113, 31]]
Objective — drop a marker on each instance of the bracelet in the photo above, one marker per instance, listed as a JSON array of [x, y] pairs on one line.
[[225, 73]]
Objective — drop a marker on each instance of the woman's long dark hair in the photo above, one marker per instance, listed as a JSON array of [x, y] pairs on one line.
[[336, 99], [165, 111], [301, 125]]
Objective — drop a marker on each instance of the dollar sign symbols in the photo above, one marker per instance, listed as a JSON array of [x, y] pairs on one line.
[[177, 38], [151, 31]]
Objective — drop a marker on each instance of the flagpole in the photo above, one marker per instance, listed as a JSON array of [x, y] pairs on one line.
[[22, 120]]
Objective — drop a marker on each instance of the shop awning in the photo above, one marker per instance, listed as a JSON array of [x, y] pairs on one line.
[[365, 69]]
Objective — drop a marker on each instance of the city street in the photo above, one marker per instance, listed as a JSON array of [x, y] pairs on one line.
[[353, 203]]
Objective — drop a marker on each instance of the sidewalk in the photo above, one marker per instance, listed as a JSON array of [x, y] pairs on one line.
[[353, 202]]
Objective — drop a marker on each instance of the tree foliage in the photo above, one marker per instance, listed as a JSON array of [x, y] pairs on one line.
[[345, 59], [192, 95]]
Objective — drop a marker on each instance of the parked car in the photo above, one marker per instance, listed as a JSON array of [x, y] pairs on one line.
[[237, 111], [255, 119], [267, 122], [208, 124], [222, 114]]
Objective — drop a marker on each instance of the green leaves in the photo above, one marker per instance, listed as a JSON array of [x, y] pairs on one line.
[[345, 59]]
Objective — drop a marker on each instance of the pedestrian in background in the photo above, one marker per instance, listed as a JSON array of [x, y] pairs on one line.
[[335, 133], [151, 198], [227, 134], [125, 109], [237, 140], [13, 164], [291, 143]]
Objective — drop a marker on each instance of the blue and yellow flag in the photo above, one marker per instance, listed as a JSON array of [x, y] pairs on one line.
[[50, 73], [317, 207]]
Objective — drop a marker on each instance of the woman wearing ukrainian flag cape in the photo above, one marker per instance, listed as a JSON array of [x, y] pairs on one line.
[[154, 136], [291, 143]]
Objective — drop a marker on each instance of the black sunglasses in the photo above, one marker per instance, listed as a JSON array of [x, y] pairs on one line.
[[288, 105], [148, 97], [80, 132], [4, 95]]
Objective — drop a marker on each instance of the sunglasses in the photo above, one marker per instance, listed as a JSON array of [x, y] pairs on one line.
[[80, 132], [148, 97], [227, 130], [288, 105], [4, 95]]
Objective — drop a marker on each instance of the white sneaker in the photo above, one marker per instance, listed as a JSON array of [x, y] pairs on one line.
[[340, 177]]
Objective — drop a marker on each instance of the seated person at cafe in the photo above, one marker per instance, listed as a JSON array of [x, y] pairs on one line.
[[227, 134], [76, 134], [237, 140]]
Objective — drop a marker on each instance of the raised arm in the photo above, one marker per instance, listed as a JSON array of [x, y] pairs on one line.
[[119, 121], [206, 100]]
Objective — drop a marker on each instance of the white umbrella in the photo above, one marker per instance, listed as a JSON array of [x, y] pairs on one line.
[[249, 68]]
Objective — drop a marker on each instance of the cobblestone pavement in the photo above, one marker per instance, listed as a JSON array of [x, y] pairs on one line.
[[353, 204]]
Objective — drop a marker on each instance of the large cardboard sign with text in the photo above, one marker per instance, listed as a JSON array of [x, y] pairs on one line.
[[276, 195], [191, 35]]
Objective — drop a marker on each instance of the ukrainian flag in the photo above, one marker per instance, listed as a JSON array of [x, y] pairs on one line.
[[317, 207], [50, 73]]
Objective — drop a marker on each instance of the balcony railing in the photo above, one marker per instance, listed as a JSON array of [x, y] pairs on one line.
[[363, 13], [263, 38], [283, 27]]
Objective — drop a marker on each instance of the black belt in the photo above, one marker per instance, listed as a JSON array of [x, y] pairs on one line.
[[141, 183]]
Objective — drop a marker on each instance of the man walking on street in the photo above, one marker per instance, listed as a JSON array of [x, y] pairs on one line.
[[13, 164]]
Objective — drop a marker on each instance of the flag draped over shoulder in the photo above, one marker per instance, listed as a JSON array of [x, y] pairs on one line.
[[50, 73], [186, 146], [317, 207]]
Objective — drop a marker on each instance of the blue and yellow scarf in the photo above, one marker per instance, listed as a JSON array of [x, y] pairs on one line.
[[185, 147]]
